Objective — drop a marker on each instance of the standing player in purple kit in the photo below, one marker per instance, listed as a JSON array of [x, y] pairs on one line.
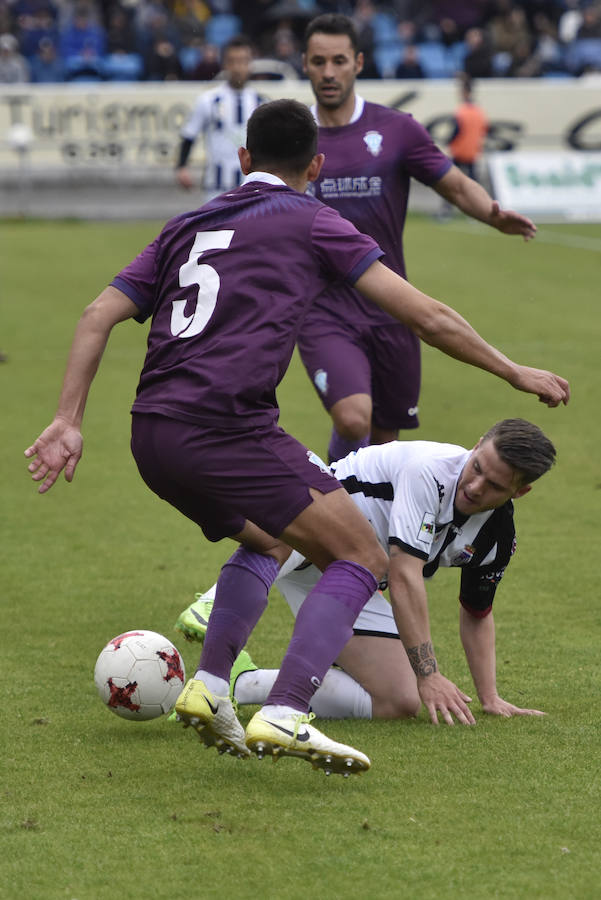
[[365, 366], [227, 287]]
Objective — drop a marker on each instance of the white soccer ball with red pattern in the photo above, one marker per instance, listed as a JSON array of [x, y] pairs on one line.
[[139, 675]]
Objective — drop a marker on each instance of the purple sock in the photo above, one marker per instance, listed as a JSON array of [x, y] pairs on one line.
[[340, 447], [324, 625], [240, 600]]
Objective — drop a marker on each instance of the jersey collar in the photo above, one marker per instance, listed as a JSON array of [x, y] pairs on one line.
[[357, 112], [263, 176]]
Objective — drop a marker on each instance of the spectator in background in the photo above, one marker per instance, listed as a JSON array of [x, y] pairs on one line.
[[121, 35], [83, 44], [409, 66], [478, 61], [46, 65], [190, 17], [208, 65], [34, 21], [14, 68], [590, 27]]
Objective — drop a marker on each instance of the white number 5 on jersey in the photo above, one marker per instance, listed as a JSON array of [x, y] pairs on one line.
[[208, 282]]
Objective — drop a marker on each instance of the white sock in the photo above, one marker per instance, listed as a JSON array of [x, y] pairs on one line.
[[218, 686], [339, 697]]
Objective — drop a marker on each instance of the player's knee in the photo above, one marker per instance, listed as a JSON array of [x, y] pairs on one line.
[[396, 705], [352, 423]]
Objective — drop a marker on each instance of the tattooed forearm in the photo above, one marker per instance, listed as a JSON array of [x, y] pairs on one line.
[[422, 659]]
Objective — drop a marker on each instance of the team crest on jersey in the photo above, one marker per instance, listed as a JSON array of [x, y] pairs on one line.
[[321, 381], [373, 141], [464, 556], [426, 530]]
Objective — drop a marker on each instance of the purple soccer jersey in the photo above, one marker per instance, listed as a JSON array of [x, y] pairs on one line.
[[366, 177], [227, 287]]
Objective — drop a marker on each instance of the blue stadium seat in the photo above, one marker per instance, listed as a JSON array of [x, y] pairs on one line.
[[122, 67], [432, 58], [387, 56], [222, 28], [583, 53], [384, 27], [189, 58]]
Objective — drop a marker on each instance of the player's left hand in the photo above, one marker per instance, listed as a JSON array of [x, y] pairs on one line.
[[58, 447], [499, 707], [510, 222], [550, 389]]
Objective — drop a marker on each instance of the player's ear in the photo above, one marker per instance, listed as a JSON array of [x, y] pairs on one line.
[[315, 167], [359, 63], [245, 160], [521, 491]]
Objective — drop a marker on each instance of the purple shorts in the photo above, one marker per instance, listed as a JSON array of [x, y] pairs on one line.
[[221, 479], [344, 358]]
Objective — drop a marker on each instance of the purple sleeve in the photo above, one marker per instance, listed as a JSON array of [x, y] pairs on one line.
[[342, 250], [423, 159], [138, 280]]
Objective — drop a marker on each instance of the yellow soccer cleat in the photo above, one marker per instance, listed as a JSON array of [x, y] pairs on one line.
[[293, 735], [213, 718]]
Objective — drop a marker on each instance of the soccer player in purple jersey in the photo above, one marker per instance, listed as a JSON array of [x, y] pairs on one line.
[[365, 366], [227, 287]]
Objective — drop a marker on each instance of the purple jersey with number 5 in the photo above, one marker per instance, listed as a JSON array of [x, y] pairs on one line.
[[227, 287], [366, 177]]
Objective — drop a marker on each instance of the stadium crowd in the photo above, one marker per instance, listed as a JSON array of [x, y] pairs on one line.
[[159, 40]]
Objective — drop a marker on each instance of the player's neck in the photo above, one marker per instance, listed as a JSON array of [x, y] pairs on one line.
[[334, 118]]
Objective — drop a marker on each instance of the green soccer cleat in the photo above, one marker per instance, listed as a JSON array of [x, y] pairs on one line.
[[213, 718], [194, 620], [294, 736], [242, 663]]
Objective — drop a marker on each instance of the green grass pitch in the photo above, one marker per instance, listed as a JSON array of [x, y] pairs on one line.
[[97, 808]]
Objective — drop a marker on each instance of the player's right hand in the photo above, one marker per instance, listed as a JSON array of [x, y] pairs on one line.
[[439, 695], [58, 447], [551, 389]]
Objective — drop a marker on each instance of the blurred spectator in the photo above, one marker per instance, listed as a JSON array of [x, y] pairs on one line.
[[286, 49], [590, 27], [362, 19], [14, 68], [34, 21], [479, 55], [455, 17], [121, 35], [189, 18], [83, 38], [208, 64], [46, 65], [409, 66], [508, 27], [161, 61]]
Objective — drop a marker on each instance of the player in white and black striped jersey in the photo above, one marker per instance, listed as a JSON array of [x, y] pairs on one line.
[[220, 115], [430, 505]]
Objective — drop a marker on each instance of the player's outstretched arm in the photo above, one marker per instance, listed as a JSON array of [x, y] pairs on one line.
[[478, 639], [60, 445], [410, 607], [442, 327], [473, 200]]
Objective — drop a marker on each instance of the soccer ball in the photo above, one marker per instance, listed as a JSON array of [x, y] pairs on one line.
[[139, 675]]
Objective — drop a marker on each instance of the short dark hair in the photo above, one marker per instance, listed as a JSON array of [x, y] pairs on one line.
[[523, 446], [332, 23], [282, 134], [239, 41]]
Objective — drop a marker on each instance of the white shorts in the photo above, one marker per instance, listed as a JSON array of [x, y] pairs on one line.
[[375, 619]]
